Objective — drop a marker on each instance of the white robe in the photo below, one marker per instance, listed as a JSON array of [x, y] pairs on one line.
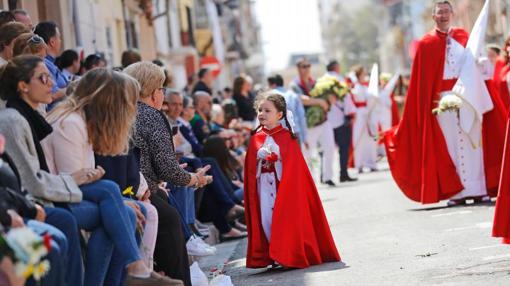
[[266, 184], [364, 130], [465, 149]]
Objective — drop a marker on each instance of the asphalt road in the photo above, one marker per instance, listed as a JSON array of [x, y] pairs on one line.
[[385, 239]]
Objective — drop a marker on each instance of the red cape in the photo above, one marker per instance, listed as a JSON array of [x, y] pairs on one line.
[[501, 227], [416, 148], [300, 234], [501, 69]]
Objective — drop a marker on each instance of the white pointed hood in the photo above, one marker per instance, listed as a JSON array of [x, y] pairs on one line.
[[471, 85]]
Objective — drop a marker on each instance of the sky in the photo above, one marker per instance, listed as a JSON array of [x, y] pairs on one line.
[[287, 27]]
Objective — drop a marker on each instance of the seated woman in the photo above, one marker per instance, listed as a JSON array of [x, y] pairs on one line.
[[215, 147], [15, 208], [26, 84], [98, 117], [31, 73], [158, 163], [125, 171]]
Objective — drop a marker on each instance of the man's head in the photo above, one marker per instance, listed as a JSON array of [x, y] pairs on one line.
[[360, 72], [130, 57], [442, 15], [51, 36], [173, 103], [22, 16], [203, 103], [333, 66], [69, 60], [94, 61], [303, 66], [205, 76], [493, 52], [275, 81]]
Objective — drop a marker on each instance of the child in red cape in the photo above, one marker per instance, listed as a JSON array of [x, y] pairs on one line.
[[284, 215]]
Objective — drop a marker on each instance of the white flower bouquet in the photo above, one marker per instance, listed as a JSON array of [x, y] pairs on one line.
[[450, 101], [27, 250]]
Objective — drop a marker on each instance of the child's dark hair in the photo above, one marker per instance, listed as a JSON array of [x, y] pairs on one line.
[[279, 102]]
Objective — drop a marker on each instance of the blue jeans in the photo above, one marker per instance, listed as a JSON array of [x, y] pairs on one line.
[[181, 210], [57, 256], [239, 194], [185, 197], [220, 186], [71, 264], [117, 270], [103, 212]]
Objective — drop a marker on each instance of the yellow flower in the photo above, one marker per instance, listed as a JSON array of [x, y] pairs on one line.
[[41, 269], [128, 191], [29, 271]]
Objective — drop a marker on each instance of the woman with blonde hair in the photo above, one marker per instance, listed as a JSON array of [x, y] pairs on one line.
[[98, 117], [158, 163], [29, 44]]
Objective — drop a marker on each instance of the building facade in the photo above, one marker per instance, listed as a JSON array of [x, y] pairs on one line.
[[177, 32]]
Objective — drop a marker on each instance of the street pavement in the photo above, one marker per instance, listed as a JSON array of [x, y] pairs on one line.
[[386, 239]]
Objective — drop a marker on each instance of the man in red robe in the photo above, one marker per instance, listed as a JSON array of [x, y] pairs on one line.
[[426, 159]]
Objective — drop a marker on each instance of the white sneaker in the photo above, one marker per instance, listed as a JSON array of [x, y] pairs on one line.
[[200, 241], [196, 249]]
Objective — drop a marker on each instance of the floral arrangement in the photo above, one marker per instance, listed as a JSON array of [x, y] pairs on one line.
[[325, 86], [27, 249], [449, 101]]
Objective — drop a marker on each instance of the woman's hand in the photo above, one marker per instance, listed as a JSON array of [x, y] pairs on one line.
[[202, 177], [87, 176], [41, 214]]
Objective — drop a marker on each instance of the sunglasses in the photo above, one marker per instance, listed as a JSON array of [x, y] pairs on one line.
[[35, 39], [305, 66], [44, 78]]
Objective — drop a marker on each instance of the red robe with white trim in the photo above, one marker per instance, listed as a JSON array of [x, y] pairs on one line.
[[300, 234], [416, 148]]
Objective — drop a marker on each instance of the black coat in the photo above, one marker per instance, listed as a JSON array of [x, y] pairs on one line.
[[11, 195]]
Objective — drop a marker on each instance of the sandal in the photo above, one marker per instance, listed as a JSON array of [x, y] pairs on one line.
[[240, 226], [236, 235]]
